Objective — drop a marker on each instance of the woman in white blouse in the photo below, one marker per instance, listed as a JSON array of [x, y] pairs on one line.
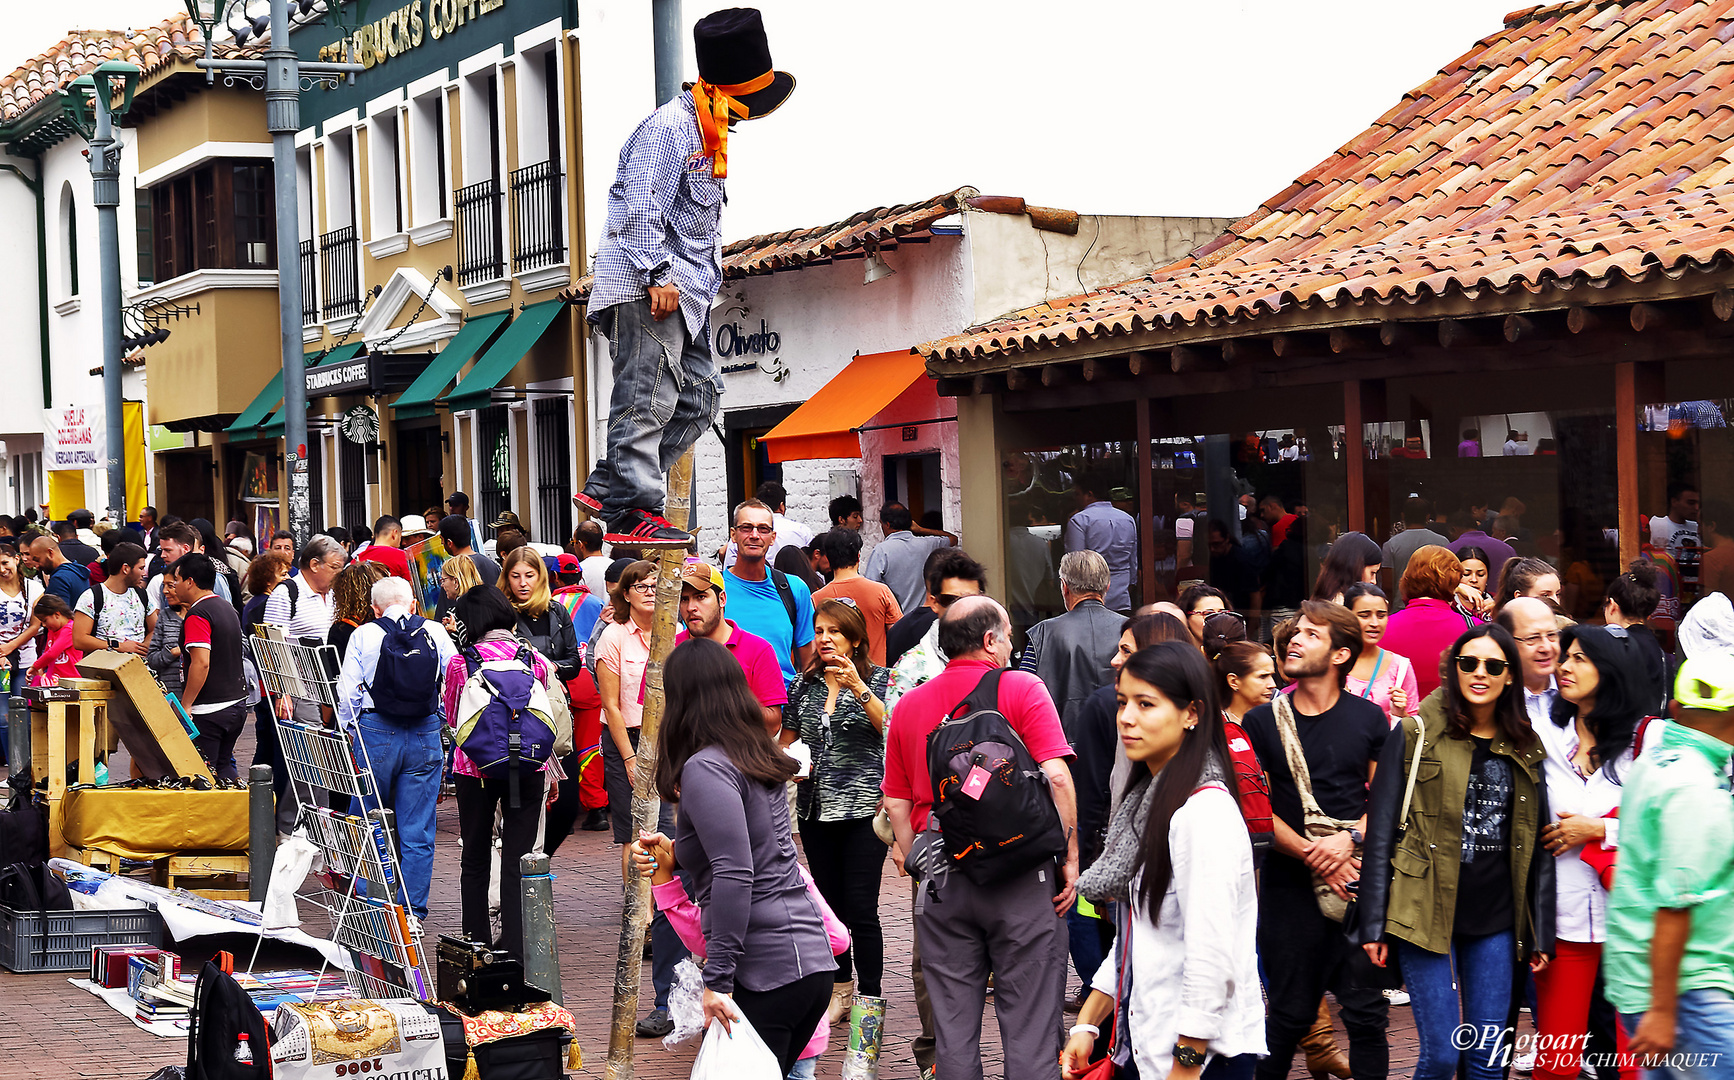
[[1590, 749], [1177, 863]]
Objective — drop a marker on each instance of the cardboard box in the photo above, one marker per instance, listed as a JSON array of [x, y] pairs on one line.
[[146, 722]]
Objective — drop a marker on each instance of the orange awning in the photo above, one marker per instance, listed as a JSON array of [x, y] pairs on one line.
[[824, 426]]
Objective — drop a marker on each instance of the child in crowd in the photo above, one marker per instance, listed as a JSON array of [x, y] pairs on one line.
[[60, 659]]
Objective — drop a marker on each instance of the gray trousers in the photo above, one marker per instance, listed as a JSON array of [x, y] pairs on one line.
[[1009, 930]]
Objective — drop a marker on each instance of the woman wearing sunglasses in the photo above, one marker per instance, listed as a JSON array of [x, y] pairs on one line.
[[1603, 696], [1380, 675], [1451, 886]]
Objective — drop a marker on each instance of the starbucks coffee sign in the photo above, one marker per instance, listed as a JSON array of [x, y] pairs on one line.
[[406, 27]]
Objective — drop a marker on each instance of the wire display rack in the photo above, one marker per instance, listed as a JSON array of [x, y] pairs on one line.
[[359, 883]]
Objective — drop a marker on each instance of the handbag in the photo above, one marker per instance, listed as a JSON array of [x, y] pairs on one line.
[[1119, 1050], [1317, 824]]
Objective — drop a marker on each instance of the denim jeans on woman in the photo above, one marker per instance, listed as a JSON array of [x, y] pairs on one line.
[[1470, 1022], [666, 391]]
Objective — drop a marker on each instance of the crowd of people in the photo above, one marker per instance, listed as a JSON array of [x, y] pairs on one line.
[[1469, 805]]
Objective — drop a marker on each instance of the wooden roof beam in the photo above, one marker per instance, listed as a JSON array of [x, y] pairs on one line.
[[1349, 339], [1579, 318], [1392, 334], [1103, 368], [1017, 379], [1193, 358], [1461, 334], [1058, 374]]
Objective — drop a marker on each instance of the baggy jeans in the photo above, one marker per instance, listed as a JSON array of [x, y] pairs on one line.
[[666, 392]]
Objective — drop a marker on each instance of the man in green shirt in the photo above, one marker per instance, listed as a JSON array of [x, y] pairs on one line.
[[1670, 950]]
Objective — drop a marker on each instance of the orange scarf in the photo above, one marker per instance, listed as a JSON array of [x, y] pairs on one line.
[[714, 104]]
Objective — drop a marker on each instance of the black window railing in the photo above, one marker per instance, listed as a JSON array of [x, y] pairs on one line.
[[538, 238], [341, 256], [309, 284], [554, 468], [315, 467], [494, 447], [480, 253]]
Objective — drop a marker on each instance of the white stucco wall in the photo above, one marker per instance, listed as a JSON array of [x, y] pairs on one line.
[[20, 353]]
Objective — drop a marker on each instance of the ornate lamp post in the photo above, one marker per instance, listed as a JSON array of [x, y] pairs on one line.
[[281, 75], [91, 104]]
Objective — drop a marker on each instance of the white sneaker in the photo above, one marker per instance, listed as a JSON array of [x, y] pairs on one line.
[[1397, 997], [1524, 1063]]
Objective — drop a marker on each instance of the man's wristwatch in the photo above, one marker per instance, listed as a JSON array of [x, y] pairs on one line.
[[114, 643], [1188, 1058], [1357, 836]]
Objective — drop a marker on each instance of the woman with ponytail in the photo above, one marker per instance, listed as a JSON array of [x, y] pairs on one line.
[[1183, 979]]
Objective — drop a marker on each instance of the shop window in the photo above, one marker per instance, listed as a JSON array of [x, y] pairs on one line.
[[68, 242], [553, 437], [352, 484], [220, 215], [431, 176], [315, 481], [494, 447], [141, 209], [385, 172]]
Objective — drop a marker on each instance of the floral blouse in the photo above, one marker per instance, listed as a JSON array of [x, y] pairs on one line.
[[848, 751]]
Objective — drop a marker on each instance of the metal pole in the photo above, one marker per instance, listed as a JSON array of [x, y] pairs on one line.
[[283, 120], [541, 951], [18, 762], [665, 28], [261, 832], [105, 182]]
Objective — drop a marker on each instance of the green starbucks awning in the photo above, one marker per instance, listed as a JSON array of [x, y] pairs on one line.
[[273, 428], [477, 387], [418, 399]]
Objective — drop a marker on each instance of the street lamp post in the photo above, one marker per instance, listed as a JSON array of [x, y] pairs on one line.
[[280, 74], [94, 116]]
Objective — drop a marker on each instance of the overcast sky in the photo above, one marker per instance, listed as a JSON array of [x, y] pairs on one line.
[[1101, 106]]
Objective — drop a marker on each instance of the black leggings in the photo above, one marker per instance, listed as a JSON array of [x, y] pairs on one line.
[[476, 801], [787, 1016], [848, 862]]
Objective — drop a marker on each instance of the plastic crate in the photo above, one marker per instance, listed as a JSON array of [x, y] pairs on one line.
[[61, 940]]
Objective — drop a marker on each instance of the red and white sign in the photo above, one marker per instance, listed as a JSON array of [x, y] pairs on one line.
[[72, 438]]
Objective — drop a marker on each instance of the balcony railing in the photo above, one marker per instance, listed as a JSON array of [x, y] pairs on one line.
[[341, 254], [309, 284], [538, 239], [480, 253]]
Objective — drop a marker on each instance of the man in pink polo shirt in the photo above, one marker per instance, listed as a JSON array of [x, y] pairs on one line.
[[1015, 928], [702, 602]]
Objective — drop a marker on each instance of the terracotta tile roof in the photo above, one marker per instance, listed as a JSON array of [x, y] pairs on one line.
[[820, 244], [1585, 143], [80, 51]]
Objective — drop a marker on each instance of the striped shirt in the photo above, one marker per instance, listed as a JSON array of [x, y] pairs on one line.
[[663, 213], [313, 611]]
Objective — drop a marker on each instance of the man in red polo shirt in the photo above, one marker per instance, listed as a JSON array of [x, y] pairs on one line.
[[1014, 928], [702, 602], [387, 548]]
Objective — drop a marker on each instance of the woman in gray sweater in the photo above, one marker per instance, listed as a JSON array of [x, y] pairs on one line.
[[769, 958]]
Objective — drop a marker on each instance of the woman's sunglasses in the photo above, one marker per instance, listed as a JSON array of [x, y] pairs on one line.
[[1468, 665]]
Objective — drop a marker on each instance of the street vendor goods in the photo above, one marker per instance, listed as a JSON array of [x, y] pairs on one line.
[[356, 1037]]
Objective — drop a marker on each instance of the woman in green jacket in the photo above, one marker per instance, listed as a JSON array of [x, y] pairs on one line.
[[1453, 887]]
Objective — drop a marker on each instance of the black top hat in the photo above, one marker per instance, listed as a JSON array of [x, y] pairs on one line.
[[731, 49]]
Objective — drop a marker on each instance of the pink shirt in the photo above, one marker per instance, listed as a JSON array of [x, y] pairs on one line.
[[683, 915], [625, 650], [1023, 699], [1394, 672], [59, 660], [1421, 632], [759, 661], [458, 673]]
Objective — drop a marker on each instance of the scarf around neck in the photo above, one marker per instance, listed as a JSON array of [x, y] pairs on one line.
[[1109, 878]]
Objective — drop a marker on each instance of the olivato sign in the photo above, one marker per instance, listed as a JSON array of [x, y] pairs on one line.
[[405, 28]]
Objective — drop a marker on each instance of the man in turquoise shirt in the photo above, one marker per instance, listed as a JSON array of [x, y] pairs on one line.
[[756, 604], [1670, 951]]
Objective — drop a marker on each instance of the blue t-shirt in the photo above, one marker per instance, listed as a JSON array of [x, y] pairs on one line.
[[756, 608]]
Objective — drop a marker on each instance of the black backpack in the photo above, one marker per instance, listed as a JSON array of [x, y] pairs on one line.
[[405, 682], [26, 887], [222, 1012], [1012, 825], [23, 827]]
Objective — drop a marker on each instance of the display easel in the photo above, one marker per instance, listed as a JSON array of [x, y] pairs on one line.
[[361, 887]]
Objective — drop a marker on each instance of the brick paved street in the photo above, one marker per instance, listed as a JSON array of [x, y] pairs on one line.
[[54, 1030]]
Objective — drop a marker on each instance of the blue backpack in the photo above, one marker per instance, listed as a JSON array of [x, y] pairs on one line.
[[405, 683], [504, 717]]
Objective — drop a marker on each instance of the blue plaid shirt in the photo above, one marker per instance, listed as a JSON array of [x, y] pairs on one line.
[[663, 213]]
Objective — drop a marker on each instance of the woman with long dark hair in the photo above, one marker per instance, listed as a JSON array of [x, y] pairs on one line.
[[837, 708], [1179, 859], [1632, 598], [769, 959], [1455, 888], [1472, 595], [489, 630], [1604, 694], [1379, 675], [1353, 557]]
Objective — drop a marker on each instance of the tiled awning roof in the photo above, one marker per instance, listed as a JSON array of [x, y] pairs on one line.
[[1586, 143]]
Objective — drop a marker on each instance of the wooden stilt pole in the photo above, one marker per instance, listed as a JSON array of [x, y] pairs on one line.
[[636, 912]]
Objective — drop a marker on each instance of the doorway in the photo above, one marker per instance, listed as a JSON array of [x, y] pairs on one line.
[[187, 484], [417, 450], [914, 480]]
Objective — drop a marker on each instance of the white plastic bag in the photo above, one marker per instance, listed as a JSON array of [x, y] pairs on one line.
[[741, 1055], [685, 1004], [294, 859]]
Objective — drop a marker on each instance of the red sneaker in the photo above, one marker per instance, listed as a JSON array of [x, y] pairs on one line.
[[644, 529], [588, 503]]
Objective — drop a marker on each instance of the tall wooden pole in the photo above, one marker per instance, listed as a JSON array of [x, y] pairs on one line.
[[635, 913]]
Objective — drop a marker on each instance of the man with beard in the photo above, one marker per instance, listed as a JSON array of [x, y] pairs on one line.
[[702, 602], [1339, 736]]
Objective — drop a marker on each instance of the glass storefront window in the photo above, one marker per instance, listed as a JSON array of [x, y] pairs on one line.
[[1043, 487]]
